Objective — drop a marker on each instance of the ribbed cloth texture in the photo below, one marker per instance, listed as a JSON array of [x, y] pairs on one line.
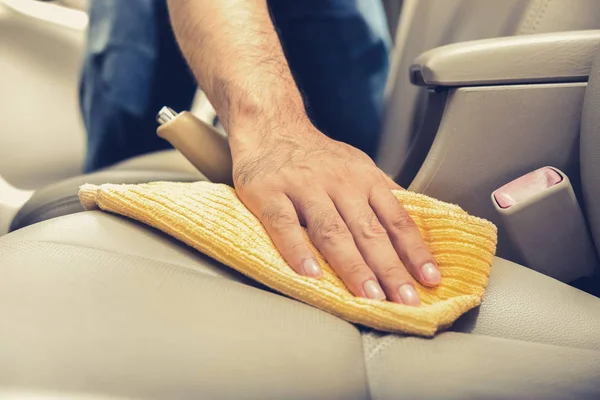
[[210, 218]]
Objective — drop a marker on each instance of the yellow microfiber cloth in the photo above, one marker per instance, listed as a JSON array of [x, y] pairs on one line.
[[210, 218]]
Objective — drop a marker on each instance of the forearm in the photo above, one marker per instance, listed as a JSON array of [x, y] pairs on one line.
[[235, 54]]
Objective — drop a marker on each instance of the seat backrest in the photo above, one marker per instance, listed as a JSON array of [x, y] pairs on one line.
[[426, 24], [42, 139]]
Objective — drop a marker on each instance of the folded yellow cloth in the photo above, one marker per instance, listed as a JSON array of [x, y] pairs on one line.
[[210, 218]]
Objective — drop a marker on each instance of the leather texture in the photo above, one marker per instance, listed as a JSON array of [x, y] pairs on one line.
[[61, 198], [437, 23], [92, 303], [548, 58]]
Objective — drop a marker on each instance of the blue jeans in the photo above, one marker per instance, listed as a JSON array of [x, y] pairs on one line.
[[338, 51]]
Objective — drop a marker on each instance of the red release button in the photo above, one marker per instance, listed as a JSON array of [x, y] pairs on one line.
[[526, 186]]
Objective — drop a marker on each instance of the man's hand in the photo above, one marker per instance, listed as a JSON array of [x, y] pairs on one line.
[[286, 171], [299, 177]]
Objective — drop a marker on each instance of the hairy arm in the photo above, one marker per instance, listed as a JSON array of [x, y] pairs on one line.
[[235, 54], [287, 172]]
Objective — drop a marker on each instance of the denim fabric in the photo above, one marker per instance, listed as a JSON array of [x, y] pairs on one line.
[[338, 51]]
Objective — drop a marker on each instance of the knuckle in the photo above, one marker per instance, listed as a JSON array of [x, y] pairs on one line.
[[420, 248], [355, 268], [297, 247], [402, 222], [366, 226], [313, 207], [370, 229], [417, 255], [393, 272], [331, 230], [277, 218]]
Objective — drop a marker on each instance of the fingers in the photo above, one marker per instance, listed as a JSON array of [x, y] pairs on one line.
[[369, 240], [389, 182], [278, 216], [376, 248], [331, 236], [404, 236]]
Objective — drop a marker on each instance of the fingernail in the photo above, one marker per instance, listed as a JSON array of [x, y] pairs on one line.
[[431, 273], [409, 295], [311, 268], [373, 291]]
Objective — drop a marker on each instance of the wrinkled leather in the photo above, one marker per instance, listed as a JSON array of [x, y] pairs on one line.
[[94, 303]]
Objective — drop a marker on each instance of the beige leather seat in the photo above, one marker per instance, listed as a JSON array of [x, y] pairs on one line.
[[94, 304]]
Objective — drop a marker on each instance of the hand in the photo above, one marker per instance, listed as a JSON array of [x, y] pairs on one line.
[[298, 176]]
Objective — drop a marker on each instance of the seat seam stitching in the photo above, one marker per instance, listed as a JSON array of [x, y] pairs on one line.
[[532, 20], [366, 367], [540, 15], [385, 342]]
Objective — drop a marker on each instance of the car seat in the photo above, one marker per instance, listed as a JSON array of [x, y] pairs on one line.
[[95, 305]]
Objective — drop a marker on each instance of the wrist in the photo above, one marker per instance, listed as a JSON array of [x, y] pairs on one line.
[[256, 101], [256, 118], [274, 132]]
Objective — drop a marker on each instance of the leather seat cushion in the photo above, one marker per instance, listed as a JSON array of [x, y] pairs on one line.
[[212, 219], [93, 303], [60, 198]]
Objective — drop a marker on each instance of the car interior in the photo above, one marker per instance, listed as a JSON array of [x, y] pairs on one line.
[[490, 105]]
